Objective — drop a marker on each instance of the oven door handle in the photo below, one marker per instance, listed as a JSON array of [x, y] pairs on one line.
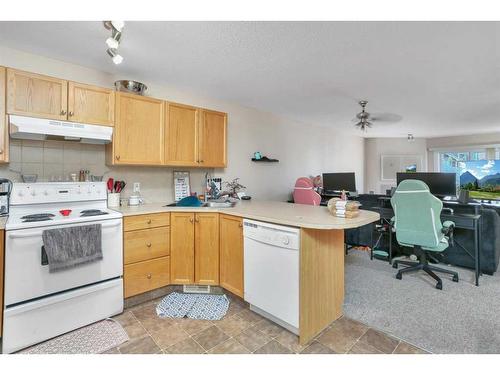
[[38, 233]]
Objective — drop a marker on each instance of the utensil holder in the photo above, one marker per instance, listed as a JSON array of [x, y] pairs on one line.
[[113, 199]]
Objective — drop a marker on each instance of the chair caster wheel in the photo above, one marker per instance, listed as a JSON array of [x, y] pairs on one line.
[[395, 266], [455, 278], [439, 286], [399, 276]]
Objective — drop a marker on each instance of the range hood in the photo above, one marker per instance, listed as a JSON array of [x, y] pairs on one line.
[[22, 127]]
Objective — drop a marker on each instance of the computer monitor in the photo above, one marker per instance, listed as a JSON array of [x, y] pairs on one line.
[[440, 184], [339, 181]]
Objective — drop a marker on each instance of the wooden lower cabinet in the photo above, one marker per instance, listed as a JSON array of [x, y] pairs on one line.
[[231, 254], [4, 129], [194, 248], [146, 244], [206, 249], [145, 276], [182, 247]]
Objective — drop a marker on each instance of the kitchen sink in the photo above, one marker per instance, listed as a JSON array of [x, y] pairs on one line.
[[212, 204], [219, 204]]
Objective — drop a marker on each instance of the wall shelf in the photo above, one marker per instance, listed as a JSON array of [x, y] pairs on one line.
[[265, 159]]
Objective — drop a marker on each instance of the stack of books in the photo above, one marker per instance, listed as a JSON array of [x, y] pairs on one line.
[[342, 208]]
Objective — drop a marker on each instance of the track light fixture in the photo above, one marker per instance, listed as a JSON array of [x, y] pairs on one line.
[[113, 53], [113, 42], [410, 138]]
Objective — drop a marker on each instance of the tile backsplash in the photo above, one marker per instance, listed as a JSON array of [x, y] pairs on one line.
[[56, 160]]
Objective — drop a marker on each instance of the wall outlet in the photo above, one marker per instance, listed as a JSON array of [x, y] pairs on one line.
[[137, 187]]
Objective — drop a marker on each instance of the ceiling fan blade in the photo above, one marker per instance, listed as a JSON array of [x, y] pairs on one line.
[[386, 117]]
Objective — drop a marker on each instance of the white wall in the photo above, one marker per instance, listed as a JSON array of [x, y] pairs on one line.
[[376, 147], [302, 149]]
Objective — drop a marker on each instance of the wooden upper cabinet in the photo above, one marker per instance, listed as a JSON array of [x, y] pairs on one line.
[[206, 248], [231, 254], [4, 133], [91, 104], [138, 137], [181, 145], [212, 139], [182, 248], [35, 95]]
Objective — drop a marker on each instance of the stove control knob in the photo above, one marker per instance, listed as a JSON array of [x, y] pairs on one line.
[[45, 192], [20, 193], [33, 192], [79, 191]]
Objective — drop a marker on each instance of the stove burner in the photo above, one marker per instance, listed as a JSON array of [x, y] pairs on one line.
[[37, 217], [85, 213]]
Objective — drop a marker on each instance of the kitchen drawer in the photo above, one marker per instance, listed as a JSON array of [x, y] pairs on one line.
[[146, 221], [146, 244], [145, 276]]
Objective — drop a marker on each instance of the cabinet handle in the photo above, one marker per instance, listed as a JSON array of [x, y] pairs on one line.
[[63, 112], [191, 220], [197, 220], [148, 244], [70, 113], [202, 161], [1, 151], [149, 221], [149, 276], [117, 157], [240, 225]]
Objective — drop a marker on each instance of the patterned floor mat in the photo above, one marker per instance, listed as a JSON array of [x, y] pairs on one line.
[[193, 306]]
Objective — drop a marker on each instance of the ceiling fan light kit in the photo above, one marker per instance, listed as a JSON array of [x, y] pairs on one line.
[[364, 120], [113, 42]]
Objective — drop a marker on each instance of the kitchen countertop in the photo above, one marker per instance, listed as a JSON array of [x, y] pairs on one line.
[[296, 215], [3, 220]]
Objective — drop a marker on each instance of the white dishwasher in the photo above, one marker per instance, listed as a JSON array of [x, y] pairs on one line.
[[271, 271]]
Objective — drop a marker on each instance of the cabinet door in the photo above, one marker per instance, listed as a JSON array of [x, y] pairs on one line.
[[91, 104], [30, 94], [182, 247], [231, 254], [138, 136], [181, 135], [4, 133], [212, 139], [206, 248]]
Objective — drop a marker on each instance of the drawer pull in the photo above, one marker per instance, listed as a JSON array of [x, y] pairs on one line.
[[148, 244], [149, 221], [149, 276]]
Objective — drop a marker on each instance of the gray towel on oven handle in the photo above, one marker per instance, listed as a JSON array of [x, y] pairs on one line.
[[72, 246]]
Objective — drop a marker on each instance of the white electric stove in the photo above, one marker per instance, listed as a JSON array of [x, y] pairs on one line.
[[39, 305]]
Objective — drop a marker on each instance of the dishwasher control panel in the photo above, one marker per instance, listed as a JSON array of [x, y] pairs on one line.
[[272, 234]]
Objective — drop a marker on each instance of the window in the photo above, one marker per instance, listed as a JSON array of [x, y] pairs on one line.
[[474, 172]]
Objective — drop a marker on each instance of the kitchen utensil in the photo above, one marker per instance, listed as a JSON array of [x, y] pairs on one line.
[[117, 186], [133, 87], [65, 212], [4, 196], [94, 178], [29, 178], [122, 186], [109, 184], [73, 177]]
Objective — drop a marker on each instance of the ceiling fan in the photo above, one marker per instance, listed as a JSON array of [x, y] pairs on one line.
[[364, 120]]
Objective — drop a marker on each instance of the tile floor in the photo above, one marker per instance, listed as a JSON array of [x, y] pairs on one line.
[[243, 332]]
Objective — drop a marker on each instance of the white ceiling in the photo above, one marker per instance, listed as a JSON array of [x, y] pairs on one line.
[[443, 78]]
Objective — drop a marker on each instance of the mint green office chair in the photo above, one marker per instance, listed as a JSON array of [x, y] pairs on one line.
[[418, 225]]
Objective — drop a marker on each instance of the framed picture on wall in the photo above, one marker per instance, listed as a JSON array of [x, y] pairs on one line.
[[392, 164]]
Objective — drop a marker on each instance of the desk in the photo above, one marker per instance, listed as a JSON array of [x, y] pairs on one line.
[[462, 221]]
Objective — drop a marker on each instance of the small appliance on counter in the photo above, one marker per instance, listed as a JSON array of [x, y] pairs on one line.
[[5, 190]]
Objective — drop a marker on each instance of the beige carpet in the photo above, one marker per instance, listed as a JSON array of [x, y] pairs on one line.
[[92, 339], [461, 318]]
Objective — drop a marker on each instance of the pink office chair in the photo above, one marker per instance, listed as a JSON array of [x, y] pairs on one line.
[[304, 193]]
